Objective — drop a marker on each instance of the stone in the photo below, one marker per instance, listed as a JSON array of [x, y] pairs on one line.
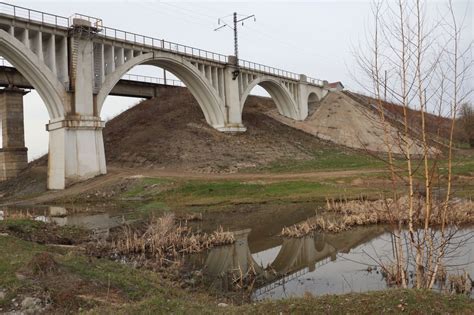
[[31, 305]]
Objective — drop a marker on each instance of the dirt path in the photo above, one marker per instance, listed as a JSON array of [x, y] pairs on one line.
[[116, 174]]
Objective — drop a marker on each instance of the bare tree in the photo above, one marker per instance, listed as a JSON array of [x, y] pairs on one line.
[[466, 123], [430, 70]]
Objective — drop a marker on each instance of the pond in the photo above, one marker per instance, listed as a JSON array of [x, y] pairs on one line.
[[318, 264]]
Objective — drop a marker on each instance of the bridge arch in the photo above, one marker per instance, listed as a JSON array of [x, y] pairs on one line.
[[313, 101], [200, 88], [51, 91], [283, 99]]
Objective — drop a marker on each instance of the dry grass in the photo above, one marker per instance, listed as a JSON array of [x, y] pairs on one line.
[[163, 241], [343, 215], [460, 284]]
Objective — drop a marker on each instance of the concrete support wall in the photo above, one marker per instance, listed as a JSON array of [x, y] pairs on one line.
[[76, 151], [84, 83], [76, 146], [13, 155], [303, 98], [232, 98]]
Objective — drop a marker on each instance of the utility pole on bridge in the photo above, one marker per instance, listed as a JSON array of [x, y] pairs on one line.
[[236, 38]]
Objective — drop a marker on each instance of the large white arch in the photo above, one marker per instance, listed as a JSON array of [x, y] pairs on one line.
[[51, 91], [198, 85], [281, 96]]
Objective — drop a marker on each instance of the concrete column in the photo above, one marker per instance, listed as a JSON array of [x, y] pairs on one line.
[[49, 52], [36, 44], [109, 59], [76, 151], [25, 38], [303, 97], [232, 98], [84, 83], [120, 54], [62, 60], [13, 155]]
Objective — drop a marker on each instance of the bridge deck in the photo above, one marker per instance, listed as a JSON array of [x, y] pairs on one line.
[[143, 41], [130, 85]]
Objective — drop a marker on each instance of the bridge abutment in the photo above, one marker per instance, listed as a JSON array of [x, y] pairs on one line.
[[13, 155]]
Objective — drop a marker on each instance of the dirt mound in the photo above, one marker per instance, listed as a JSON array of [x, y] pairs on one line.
[[171, 132], [340, 119]]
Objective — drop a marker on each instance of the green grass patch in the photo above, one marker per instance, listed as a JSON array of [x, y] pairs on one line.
[[220, 192], [42, 232], [326, 160], [14, 254], [146, 184]]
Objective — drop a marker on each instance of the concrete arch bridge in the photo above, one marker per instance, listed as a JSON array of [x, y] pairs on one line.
[[75, 63]]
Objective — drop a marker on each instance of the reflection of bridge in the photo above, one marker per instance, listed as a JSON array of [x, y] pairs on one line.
[[74, 63], [296, 257]]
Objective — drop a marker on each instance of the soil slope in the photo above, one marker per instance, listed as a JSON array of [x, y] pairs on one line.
[[171, 132], [341, 119]]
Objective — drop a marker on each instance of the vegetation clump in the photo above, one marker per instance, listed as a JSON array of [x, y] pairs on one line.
[[347, 214], [161, 242]]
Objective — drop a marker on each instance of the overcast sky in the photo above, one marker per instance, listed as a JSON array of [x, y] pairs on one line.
[[310, 37]]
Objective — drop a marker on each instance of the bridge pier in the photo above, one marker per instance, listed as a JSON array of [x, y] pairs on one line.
[[233, 111], [13, 155], [76, 145], [76, 150]]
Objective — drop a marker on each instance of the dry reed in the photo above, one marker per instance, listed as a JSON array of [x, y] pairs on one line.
[[163, 241], [343, 215]]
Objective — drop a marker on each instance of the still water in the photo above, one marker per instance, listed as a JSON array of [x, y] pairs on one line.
[[320, 263], [286, 267]]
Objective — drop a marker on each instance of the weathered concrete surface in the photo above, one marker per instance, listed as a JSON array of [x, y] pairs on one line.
[[13, 155], [75, 67]]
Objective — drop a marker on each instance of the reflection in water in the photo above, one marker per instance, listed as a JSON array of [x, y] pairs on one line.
[[99, 223], [318, 263]]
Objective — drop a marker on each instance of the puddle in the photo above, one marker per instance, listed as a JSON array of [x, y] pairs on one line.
[[318, 264], [99, 222]]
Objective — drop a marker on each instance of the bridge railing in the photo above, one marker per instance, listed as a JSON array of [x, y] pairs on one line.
[[267, 69], [154, 80], [316, 81], [162, 44], [154, 43], [33, 15]]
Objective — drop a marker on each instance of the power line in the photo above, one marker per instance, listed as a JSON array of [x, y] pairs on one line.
[[236, 37]]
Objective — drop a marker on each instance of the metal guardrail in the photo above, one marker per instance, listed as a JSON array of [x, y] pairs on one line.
[[267, 69], [147, 41], [316, 82], [161, 44], [154, 80], [33, 15]]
